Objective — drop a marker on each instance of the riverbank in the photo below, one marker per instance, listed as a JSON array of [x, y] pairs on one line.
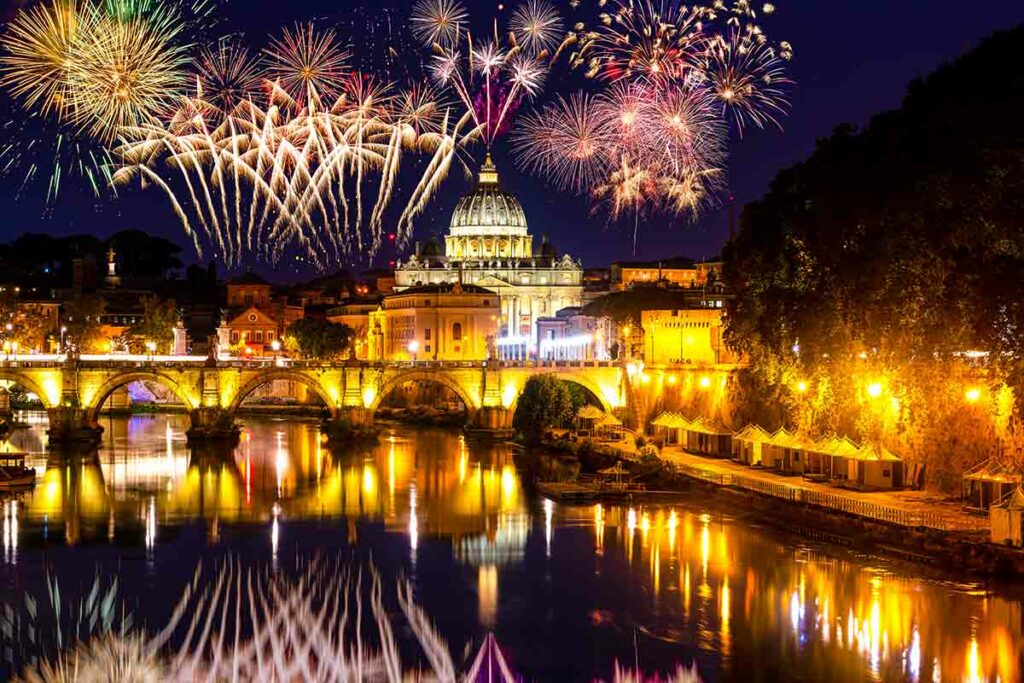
[[909, 526]]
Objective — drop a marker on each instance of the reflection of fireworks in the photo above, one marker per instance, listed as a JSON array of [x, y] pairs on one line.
[[488, 77], [329, 622], [295, 171]]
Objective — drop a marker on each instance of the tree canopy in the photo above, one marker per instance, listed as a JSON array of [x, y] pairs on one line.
[[906, 238], [317, 338], [870, 269], [545, 402]]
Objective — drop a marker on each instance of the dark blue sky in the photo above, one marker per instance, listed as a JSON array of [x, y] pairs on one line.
[[853, 59]]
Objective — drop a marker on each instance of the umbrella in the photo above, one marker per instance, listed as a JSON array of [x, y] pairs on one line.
[[616, 470]]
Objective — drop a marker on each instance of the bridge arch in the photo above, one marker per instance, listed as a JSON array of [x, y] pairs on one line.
[[439, 377], [268, 376], [125, 378], [28, 384], [571, 377]]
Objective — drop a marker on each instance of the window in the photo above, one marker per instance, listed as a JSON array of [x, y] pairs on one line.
[[270, 336], [426, 335], [259, 336], [248, 298], [234, 337], [457, 332]]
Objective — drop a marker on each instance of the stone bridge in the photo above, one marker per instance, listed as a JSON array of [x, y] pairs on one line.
[[73, 391]]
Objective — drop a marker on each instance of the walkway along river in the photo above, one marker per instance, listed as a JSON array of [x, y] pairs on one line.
[[567, 591]]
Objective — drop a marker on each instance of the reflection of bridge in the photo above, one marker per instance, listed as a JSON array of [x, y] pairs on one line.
[[73, 390]]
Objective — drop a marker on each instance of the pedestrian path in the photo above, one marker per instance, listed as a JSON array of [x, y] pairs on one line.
[[905, 508]]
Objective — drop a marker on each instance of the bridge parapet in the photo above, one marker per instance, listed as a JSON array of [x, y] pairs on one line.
[[212, 391]]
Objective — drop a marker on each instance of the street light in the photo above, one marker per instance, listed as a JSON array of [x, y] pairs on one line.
[[414, 346], [275, 346], [63, 331], [875, 389], [972, 395], [801, 387], [151, 345]]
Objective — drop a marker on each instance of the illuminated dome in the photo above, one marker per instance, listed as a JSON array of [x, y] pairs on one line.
[[488, 210]]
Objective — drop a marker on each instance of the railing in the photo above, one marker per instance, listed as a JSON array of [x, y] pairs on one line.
[[138, 361], [823, 499]]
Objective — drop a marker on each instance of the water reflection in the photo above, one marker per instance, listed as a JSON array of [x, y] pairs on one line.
[[709, 587], [713, 581]]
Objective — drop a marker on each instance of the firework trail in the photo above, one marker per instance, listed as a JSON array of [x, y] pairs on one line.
[[674, 78], [311, 158]]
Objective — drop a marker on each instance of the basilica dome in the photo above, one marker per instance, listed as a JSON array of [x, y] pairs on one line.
[[488, 209]]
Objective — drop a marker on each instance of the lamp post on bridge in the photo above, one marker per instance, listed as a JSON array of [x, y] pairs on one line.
[[414, 346], [151, 347]]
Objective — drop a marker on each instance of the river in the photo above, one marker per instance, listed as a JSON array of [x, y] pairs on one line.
[[566, 591]]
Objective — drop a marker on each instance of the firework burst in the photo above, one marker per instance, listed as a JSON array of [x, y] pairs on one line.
[[83, 69], [227, 75], [538, 26], [285, 166], [439, 22], [655, 137], [125, 72], [489, 77]]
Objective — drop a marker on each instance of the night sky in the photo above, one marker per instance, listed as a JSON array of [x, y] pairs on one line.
[[853, 59]]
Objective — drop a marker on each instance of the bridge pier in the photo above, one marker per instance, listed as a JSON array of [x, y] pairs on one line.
[[72, 426], [492, 421], [212, 423], [350, 423]]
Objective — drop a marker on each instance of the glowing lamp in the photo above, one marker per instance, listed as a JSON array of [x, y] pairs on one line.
[[972, 395], [801, 387], [414, 346], [875, 389], [705, 382], [672, 379]]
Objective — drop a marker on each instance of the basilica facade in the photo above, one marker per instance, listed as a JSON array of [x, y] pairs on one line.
[[489, 245]]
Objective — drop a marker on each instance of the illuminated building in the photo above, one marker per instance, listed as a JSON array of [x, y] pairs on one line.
[[489, 245], [678, 337], [571, 335], [673, 272], [254, 318], [434, 322]]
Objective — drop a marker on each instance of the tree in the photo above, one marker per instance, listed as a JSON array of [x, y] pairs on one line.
[[82, 316], [159, 319], [320, 339], [27, 330], [889, 253], [545, 402]]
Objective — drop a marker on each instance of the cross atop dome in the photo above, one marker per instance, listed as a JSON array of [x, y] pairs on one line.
[[488, 172]]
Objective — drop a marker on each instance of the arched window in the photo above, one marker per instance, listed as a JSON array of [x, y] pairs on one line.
[[457, 332]]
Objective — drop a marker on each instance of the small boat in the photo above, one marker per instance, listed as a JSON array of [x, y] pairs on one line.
[[13, 473]]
